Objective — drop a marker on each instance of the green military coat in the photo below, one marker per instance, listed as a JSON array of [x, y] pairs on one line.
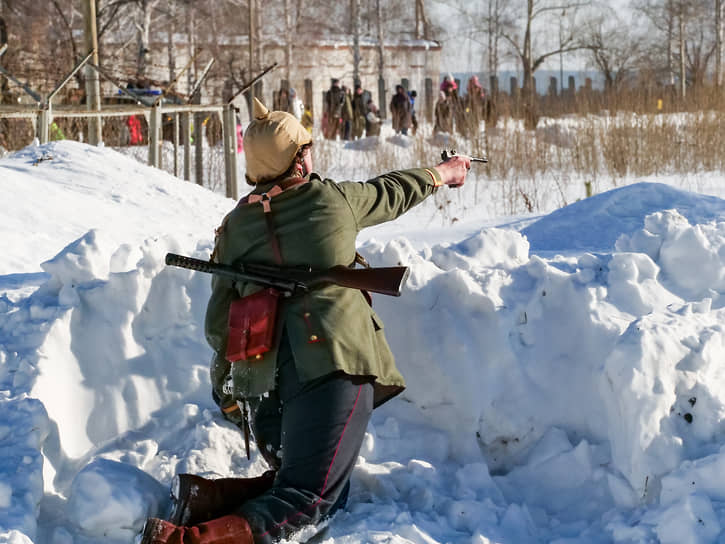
[[331, 328]]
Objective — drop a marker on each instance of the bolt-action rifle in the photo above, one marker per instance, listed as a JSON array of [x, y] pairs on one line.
[[446, 154], [296, 280]]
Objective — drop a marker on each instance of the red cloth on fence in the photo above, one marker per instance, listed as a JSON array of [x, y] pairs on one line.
[[135, 137]]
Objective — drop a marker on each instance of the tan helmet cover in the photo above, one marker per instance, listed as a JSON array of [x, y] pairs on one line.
[[271, 142]]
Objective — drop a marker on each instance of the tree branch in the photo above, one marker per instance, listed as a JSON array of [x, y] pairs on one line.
[[563, 7]]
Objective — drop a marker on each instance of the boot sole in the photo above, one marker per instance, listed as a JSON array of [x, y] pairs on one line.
[[178, 514]]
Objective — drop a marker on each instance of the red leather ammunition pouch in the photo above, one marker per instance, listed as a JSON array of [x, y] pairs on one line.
[[252, 322]]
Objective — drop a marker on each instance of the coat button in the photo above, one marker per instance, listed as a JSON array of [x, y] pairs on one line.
[[313, 338]]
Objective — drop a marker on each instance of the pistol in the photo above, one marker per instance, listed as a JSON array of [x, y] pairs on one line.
[[446, 154]]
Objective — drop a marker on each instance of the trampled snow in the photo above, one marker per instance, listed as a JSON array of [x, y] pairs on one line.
[[565, 376]]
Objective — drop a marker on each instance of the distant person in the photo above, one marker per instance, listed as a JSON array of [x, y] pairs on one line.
[[283, 100], [56, 133], [461, 123], [347, 114], [475, 102], [443, 115], [359, 111], [334, 104], [372, 120], [400, 110], [413, 118], [448, 85], [296, 107], [240, 137], [307, 119]]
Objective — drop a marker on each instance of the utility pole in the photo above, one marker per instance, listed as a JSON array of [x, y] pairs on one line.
[[288, 41], [561, 54], [718, 42], [683, 71], [355, 5], [170, 41], [381, 60], [93, 86], [252, 44], [190, 75], [421, 21]]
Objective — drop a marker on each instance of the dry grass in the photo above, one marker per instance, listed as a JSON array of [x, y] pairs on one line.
[[600, 139], [600, 146]]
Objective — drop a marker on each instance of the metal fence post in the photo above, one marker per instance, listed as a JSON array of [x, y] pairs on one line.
[[186, 127], [154, 140], [429, 100], [199, 148], [382, 105], [229, 132], [176, 143], [43, 124]]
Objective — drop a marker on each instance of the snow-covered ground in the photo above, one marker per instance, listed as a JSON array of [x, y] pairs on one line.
[[565, 376]]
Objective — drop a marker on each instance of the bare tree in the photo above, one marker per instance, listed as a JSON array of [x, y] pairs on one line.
[[355, 24], [143, 23], [67, 15], [381, 58], [288, 39], [521, 36], [690, 39], [718, 31], [494, 22], [171, 30], [701, 40], [613, 48], [422, 24]]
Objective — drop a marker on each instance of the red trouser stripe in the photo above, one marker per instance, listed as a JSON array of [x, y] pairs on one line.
[[324, 486]]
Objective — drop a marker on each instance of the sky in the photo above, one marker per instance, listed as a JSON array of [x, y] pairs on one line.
[[564, 369], [464, 45]]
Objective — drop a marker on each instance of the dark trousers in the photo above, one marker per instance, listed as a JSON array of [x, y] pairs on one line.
[[311, 433]]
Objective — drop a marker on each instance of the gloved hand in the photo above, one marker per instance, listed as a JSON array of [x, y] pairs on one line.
[[233, 413]]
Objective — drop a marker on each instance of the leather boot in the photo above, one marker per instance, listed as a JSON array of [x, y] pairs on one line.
[[195, 499], [231, 529], [225, 530], [158, 531]]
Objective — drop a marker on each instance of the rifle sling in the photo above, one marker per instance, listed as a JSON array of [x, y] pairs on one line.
[[266, 199]]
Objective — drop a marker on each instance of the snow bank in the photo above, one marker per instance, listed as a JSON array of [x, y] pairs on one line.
[[561, 367], [551, 398]]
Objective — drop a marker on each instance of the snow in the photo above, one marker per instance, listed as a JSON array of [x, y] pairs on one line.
[[565, 377]]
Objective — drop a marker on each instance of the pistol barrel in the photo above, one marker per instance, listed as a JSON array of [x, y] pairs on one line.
[[446, 154]]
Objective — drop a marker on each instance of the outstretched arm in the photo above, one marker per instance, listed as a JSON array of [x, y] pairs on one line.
[[390, 195]]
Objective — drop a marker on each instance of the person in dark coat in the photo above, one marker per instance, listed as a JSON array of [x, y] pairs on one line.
[[475, 103], [443, 115], [400, 110], [334, 105], [347, 114], [359, 112], [413, 117]]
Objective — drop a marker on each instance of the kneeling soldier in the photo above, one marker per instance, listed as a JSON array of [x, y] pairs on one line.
[[307, 369]]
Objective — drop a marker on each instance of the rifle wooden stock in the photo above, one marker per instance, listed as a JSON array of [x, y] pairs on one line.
[[384, 280]]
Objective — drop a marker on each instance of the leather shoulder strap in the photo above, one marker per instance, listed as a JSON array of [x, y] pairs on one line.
[[266, 200]]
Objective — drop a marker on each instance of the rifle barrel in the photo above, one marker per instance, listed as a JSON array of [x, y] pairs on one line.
[[233, 273], [384, 280]]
